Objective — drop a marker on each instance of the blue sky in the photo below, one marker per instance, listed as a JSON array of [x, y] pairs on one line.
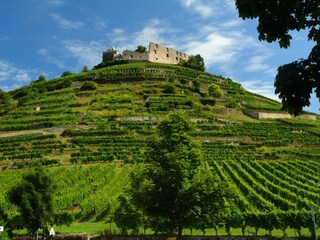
[[52, 36]]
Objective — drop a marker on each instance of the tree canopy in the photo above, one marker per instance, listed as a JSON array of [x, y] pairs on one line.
[[6, 102], [33, 197], [195, 62], [214, 90], [141, 49], [176, 188], [295, 81]]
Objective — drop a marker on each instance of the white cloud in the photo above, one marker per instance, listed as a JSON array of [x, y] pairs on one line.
[[155, 30], [64, 23], [204, 9], [56, 2], [87, 53], [8, 72], [3, 38], [100, 24], [209, 8], [257, 64], [261, 87], [49, 58]]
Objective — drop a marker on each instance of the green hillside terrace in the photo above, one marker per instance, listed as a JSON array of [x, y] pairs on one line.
[[90, 140]]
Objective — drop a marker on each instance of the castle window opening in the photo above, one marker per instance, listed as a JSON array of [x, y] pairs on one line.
[[177, 53], [180, 54], [167, 49], [156, 45], [131, 56], [155, 51], [167, 55], [184, 55], [156, 58], [177, 58]]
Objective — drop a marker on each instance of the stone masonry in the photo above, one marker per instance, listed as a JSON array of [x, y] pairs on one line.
[[156, 53]]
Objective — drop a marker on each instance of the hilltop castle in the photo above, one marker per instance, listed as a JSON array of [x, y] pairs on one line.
[[156, 53]]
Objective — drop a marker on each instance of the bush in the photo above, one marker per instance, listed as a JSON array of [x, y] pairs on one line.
[[170, 89], [208, 101], [89, 85], [215, 91], [232, 104]]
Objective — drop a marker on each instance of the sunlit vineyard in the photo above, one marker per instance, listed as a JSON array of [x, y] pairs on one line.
[[91, 140]]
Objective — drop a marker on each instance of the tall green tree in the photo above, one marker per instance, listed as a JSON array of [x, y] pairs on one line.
[[33, 197], [127, 216], [277, 18], [195, 62], [175, 189], [141, 49], [6, 102]]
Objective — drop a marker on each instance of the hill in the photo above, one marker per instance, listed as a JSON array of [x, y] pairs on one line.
[[89, 128]]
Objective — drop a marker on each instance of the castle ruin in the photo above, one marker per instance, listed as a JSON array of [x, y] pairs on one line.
[[156, 53]]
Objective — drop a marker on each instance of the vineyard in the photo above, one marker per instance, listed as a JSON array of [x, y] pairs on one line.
[[90, 141]]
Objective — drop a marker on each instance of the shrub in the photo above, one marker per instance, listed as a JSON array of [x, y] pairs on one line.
[[89, 85], [215, 91], [170, 89], [232, 104], [208, 101]]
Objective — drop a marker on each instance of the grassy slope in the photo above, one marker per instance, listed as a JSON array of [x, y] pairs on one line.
[[77, 132]]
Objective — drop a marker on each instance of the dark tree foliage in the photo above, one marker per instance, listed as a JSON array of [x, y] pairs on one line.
[[33, 197], [176, 188], [88, 86], [141, 49], [6, 102], [128, 216], [195, 62], [66, 73], [110, 63], [278, 17], [295, 81]]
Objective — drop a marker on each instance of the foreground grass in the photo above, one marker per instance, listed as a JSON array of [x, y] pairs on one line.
[[97, 228]]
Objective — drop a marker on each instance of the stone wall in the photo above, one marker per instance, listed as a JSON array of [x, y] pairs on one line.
[[264, 115], [156, 53], [135, 56], [163, 54]]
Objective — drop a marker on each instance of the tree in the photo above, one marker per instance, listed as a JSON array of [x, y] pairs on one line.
[[85, 69], [41, 78], [276, 19], [141, 49], [6, 102], [215, 91], [127, 216], [33, 197], [175, 188], [4, 221], [66, 73], [88, 85], [195, 62]]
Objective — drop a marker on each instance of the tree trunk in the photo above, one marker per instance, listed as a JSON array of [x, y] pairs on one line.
[[179, 237], [243, 229], [216, 229], [299, 233]]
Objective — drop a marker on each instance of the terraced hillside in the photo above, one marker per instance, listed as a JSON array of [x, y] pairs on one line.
[[90, 139]]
